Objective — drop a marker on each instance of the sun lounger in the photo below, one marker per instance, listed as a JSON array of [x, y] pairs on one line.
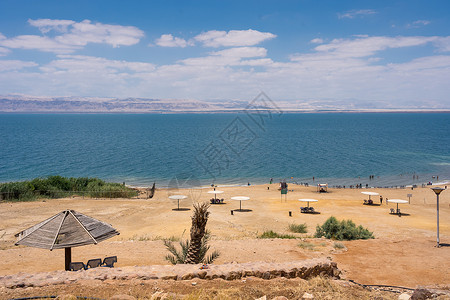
[[213, 201], [76, 266], [94, 263], [311, 209], [109, 261], [392, 211], [365, 201]]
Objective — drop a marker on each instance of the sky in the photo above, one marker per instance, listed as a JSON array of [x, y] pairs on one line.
[[395, 52]]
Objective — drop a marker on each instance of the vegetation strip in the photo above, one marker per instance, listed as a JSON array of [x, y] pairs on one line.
[[59, 187]]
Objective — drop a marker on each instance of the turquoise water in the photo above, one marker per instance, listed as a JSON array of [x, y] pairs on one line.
[[175, 149]]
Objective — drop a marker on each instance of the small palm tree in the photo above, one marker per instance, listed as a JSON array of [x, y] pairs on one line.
[[194, 251], [179, 257], [198, 228]]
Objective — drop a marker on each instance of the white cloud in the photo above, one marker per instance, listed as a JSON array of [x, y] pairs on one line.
[[4, 51], [443, 44], [418, 23], [87, 32], [46, 25], [351, 14], [73, 36], [81, 63], [41, 43], [242, 52], [233, 38], [168, 40], [367, 46], [421, 22], [227, 57], [316, 41], [14, 65]]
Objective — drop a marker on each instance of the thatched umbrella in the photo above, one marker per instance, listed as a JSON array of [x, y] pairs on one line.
[[66, 229]]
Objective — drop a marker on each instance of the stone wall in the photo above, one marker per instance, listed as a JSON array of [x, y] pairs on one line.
[[300, 269]]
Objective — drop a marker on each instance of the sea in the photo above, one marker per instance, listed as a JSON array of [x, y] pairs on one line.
[[183, 150]]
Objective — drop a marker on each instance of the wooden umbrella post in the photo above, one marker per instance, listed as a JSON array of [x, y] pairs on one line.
[[68, 255]]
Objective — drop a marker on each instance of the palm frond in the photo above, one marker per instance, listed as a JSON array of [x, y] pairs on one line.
[[212, 257], [171, 259]]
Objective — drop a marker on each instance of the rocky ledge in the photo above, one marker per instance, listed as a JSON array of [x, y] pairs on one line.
[[297, 269]]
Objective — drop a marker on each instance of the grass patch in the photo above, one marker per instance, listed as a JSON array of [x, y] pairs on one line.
[[338, 245], [274, 235], [342, 230], [298, 228], [307, 246]]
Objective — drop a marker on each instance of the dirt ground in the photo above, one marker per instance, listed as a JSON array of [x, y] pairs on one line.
[[403, 252], [251, 288]]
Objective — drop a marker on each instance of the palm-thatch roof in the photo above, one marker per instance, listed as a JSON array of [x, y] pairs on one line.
[[64, 230]]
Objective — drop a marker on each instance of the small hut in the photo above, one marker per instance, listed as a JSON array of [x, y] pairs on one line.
[[66, 229]]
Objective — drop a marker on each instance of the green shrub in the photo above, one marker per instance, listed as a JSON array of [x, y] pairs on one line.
[[58, 187], [273, 235], [298, 228], [342, 230], [16, 191]]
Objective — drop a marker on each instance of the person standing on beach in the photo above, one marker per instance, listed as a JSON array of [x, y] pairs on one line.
[[381, 200]]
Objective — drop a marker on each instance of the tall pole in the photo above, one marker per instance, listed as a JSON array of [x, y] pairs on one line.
[[437, 191], [437, 195]]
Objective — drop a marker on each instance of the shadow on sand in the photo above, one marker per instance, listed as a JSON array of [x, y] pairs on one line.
[[400, 214]]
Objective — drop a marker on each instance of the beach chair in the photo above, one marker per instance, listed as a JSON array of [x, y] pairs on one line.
[[398, 212], [302, 209], [311, 209], [77, 266], [392, 211], [109, 261], [94, 263], [212, 201], [365, 201], [221, 201]]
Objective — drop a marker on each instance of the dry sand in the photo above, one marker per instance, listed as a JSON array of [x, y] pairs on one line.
[[403, 252]]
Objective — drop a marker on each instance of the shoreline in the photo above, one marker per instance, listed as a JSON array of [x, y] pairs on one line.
[[393, 181], [237, 111]]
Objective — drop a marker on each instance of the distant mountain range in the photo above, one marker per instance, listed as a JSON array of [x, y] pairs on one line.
[[31, 104]]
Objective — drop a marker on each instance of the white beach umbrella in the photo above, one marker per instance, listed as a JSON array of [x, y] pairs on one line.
[[370, 194], [240, 199], [398, 201], [215, 193], [308, 200], [178, 198]]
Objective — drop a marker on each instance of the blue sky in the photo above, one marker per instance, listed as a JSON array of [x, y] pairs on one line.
[[294, 51]]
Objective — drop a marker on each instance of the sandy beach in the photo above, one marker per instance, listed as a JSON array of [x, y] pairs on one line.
[[402, 253]]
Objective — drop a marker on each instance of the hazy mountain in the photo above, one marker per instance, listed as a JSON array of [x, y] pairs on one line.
[[20, 103]]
